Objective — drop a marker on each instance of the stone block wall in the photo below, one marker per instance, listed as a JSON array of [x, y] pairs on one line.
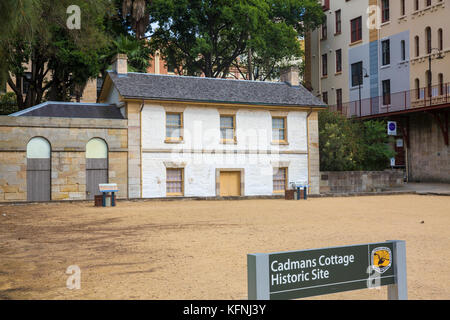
[[68, 138], [359, 181], [428, 155]]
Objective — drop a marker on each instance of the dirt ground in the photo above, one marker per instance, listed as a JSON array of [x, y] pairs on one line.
[[197, 249]]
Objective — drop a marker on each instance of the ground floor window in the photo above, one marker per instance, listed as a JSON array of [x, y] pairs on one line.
[[279, 179], [174, 181]]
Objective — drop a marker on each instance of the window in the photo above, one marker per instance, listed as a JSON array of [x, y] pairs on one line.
[[428, 39], [227, 128], [441, 83], [26, 82], [440, 40], [338, 60], [337, 16], [356, 74], [417, 81], [324, 29], [416, 5], [384, 10], [279, 129], [402, 7], [279, 179], [325, 97], [339, 98], [386, 92], [174, 126], [356, 29], [174, 181], [403, 50], [416, 43], [386, 52], [427, 3], [324, 65]]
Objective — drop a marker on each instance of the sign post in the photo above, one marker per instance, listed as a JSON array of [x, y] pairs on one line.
[[299, 274]]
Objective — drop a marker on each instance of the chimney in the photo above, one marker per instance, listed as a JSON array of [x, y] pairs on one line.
[[119, 64], [290, 75]]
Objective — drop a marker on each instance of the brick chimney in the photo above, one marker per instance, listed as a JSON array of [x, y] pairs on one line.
[[290, 75], [119, 64]]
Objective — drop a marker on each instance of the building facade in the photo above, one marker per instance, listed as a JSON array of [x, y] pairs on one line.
[[389, 59], [164, 136]]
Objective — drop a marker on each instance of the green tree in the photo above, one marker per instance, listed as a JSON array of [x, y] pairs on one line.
[[59, 59], [209, 36], [351, 145]]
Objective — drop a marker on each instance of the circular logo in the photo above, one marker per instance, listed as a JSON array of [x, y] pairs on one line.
[[381, 259], [392, 126]]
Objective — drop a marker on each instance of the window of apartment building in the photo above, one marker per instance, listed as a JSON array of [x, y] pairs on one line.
[[416, 45], [24, 82], [428, 39], [356, 74], [337, 16], [416, 5], [174, 126], [427, 3], [386, 52], [417, 82], [324, 28], [339, 98], [324, 65], [227, 128], [386, 84], [325, 97], [441, 83], [356, 29], [279, 129], [338, 60], [440, 40], [402, 7], [384, 10], [403, 50], [174, 181], [279, 180]]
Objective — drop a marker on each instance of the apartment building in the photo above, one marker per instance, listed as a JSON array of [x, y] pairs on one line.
[[389, 59]]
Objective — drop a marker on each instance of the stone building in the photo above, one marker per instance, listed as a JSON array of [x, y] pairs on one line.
[[164, 135]]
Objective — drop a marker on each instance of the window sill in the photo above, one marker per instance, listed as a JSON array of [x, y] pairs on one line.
[[324, 77], [174, 194], [386, 66], [337, 33], [355, 43], [173, 141], [284, 143], [338, 73], [385, 23], [228, 141]]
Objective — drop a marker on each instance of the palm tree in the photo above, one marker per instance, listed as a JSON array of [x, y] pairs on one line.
[[140, 18]]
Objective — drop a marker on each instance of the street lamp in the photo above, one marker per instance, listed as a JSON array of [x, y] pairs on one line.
[[361, 81]]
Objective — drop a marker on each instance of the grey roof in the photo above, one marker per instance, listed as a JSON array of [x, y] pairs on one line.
[[201, 89], [71, 110]]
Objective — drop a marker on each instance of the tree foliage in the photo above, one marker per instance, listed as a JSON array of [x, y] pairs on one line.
[[349, 145], [210, 36]]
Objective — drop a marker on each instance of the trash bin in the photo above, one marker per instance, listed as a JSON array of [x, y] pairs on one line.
[[289, 194]]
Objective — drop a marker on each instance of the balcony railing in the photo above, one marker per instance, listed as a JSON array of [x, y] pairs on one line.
[[396, 102]]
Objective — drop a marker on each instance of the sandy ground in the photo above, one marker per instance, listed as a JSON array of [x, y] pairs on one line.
[[197, 249]]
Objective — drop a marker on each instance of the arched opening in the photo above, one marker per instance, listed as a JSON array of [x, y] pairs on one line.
[[440, 40], [38, 170], [416, 44], [428, 39], [96, 166]]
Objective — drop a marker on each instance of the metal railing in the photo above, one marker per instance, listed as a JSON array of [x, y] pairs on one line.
[[396, 102]]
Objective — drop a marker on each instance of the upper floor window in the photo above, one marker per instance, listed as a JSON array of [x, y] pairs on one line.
[[227, 128], [174, 126], [416, 5], [324, 29], [279, 129], [337, 16], [356, 29], [403, 50], [427, 3], [384, 10], [357, 74], [338, 60], [386, 52], [416, 45], [440, 40], [402, 7], [324, 65], [428, 39]]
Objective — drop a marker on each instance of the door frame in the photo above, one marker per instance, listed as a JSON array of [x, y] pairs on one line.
[[219, 170]]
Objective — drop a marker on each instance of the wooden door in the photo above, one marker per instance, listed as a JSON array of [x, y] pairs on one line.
[[38, 179], [230, 183], [96, 173]]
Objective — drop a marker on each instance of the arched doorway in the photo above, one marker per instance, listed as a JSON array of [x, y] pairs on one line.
[[38, 170], [96, 166]]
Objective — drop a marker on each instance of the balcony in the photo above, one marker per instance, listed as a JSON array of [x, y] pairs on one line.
[[432, 97]]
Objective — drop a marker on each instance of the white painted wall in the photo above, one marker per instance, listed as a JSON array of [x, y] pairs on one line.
[[202, 137]]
